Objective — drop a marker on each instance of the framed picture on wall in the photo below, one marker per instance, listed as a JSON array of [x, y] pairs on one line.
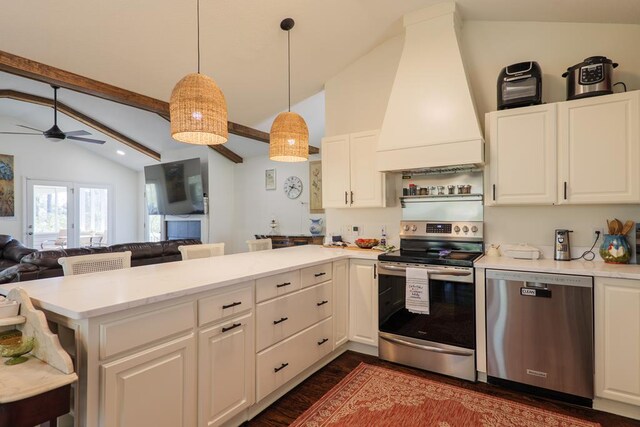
[[7, 197], [315, 187], [270, 179]]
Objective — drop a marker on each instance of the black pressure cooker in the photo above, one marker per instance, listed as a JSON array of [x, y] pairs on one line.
[[592, 77]]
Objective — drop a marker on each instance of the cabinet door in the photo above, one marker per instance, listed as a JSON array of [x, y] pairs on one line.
[[617, 339], [522, 156], [335, 172], [599, 149], [155, 387], [226, 370], [340, 301], [363, 302], [366, 181]]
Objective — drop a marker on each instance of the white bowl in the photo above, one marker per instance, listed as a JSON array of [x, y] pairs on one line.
[[9, 309]]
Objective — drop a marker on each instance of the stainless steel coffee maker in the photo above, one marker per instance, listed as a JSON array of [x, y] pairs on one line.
[[562, 245]]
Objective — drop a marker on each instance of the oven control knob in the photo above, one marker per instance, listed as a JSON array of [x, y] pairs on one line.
[[405, 228], [474, 229], [465, 229], [456, 229], [414, 228]]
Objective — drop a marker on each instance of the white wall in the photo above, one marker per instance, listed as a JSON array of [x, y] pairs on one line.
[[255, 206], [37, 158], [222, 194], [356, 99]]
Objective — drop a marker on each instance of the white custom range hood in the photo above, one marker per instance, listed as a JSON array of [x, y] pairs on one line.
[[431, 119]]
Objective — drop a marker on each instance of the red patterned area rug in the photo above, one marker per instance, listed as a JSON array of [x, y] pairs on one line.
[[375, 396]]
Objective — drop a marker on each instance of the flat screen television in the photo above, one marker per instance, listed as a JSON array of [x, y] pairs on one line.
[[174, 188]]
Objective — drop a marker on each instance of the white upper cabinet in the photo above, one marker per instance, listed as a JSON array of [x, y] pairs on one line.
[[599, 149], [522, 156], [588, 149], [349, 175]]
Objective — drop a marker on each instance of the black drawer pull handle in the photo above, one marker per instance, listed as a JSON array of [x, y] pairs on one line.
[[322, 303], [282, 319], [283, 284], [235, 325], [324, 340], [233, 304], [319, 274], [284, 365]]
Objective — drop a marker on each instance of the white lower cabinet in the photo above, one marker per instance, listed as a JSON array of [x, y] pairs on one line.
[[363, 302], [283, 361], [341, 302], [617, 339], [281, 317], [155, 387], [226, 372]]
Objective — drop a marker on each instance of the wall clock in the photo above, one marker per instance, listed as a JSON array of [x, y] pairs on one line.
[[293, 187]]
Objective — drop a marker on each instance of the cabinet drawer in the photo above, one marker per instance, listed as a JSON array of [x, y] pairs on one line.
[[284, 316], [280, 363], [136, 331], [316, 274], [280, 284], [225, 304]]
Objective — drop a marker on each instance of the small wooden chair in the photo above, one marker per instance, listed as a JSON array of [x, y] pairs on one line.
[[82, 264], [259, 245], [201, 251]]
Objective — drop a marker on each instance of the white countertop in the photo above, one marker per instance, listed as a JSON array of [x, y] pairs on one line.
[[583, 268], [29, 379], [95, 294]]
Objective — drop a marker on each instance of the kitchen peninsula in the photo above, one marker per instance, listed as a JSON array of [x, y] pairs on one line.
[[171, 344]]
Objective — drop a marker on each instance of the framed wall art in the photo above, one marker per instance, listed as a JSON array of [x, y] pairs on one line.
[[7, 185], [315, 187], [270, 179]]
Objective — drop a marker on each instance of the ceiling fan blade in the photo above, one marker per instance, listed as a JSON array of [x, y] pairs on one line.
[[28, 127], [19, 133], [93, 141], [77, 133]]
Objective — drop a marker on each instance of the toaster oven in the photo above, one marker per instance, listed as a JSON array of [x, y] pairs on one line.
[[520, 85]]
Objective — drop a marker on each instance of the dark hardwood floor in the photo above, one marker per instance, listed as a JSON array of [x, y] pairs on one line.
[[293, 404]]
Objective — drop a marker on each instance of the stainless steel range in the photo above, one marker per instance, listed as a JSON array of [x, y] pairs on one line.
[[443, 340]]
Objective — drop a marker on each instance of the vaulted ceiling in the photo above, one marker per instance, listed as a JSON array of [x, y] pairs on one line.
[[147, 45]]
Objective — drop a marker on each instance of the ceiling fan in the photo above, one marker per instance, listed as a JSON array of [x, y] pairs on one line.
[[55, 133]]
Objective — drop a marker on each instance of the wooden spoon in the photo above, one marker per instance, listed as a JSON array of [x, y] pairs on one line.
[[627, 227], [609, 227], [617, 225]]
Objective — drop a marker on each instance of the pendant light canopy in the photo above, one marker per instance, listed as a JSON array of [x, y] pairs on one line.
[[197, 108], [289, 136]]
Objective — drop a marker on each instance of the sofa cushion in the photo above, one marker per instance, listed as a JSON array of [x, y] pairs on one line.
[[12, 274], [6, 263], [15, 251], [139, 250], [170, 247], [4, 239]]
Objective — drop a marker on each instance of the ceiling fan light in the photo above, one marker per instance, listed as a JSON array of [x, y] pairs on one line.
[[54, 138], [198, 111], [289, 138]]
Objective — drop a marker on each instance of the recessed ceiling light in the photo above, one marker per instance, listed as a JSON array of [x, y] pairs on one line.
[[120, 152]]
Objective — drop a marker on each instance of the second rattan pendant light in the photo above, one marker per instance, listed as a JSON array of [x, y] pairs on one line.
[[289, 136], [197, 108]]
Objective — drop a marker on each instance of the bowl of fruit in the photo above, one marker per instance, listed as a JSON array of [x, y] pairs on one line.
[[366, 243]]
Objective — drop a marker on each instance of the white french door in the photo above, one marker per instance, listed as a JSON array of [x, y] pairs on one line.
[[67, 215]]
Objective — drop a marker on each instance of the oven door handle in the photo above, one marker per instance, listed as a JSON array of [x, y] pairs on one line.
[[427, 347], [441, 272]]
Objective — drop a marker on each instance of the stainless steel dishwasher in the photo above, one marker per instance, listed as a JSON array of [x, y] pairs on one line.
[[540, 333]]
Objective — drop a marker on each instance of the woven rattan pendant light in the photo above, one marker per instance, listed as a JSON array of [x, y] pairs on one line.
[[289, 136], [197, 108]]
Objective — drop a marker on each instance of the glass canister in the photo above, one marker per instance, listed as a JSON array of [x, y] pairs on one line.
[[451, 189], [615, 249]]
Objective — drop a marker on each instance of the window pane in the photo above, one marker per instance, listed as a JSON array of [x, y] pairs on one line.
[[49, 216], [94, 216]]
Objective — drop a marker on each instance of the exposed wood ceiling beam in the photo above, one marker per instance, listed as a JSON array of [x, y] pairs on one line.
[[24, 67], [75, 114], [258, 135]]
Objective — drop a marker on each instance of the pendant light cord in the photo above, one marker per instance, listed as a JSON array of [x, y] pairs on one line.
[[289, 62], [198, 26]]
